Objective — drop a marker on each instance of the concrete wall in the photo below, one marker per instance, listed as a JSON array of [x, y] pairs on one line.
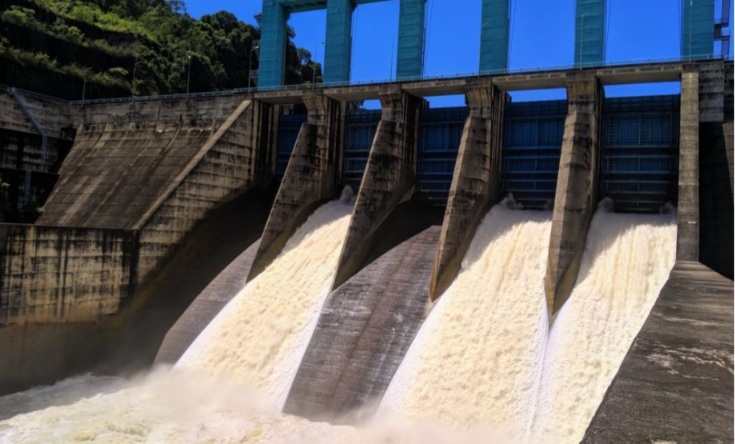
[[310, 179], [389, 177], [576, 189], [206, 306], [53, 116], [687, 242], [475, 184], [225, 165], [675, 383], [59, 274], [363, 333], [203, 110]]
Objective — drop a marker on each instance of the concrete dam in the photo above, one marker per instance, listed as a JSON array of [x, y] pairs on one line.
[[355, 264]]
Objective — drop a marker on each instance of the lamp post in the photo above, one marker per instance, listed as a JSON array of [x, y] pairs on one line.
[[581, 43], [313, 71], [250, 62], [132, 85], [188, 75]]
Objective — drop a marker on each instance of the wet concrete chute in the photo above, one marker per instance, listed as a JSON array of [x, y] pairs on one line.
[[284, 265]]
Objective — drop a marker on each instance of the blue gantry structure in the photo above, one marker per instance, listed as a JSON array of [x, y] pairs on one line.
[[699, 32]]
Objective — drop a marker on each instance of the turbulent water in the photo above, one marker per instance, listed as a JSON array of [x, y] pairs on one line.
[[488, 356], [260, 337], [487, 360]]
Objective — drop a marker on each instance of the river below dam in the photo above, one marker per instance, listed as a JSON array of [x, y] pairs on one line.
[[488, 365]]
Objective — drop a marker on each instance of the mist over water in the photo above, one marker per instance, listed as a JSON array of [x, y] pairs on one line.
[[487, 366]]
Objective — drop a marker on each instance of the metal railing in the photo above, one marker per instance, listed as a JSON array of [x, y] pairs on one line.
[[372, 83]]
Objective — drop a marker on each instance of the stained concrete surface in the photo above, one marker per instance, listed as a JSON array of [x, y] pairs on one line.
[[206, 306], [675, 385], [363, 333]]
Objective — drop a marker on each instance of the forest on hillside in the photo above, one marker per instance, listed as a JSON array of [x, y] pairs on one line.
[[107, 48]]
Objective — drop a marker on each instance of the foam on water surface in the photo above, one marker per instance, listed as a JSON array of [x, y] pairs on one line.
[[487, 362], [260, 337]]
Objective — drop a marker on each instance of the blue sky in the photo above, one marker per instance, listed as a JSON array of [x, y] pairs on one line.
[[542, 36]]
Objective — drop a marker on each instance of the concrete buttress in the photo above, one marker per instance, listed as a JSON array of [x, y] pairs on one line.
[[310, 178], [388, 180], [576, 188], [475, 185], [687, 242]]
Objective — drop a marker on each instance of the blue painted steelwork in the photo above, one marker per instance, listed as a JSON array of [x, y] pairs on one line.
[[589, 35], [640, 146], [288, 131], [494, 36], [360, 127], [440, 133], [272, 44], [697, 29], [532, 138], [338, 44], [410, 57]]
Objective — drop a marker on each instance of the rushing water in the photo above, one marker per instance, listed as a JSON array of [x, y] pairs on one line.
[[488, 355], [488, 358]]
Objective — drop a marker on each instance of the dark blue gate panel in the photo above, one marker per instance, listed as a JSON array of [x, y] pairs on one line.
[[440, 133], [640, 146], [360, 128], [532, 138], [288, 131]]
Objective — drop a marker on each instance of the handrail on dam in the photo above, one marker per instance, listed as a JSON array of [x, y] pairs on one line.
[[373, 83]]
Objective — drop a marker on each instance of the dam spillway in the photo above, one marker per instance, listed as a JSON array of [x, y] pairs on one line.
[[255, 123]]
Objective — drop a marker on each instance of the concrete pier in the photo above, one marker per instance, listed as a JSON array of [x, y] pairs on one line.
[[475, 185], [311, 177], [388, 180], [675, 384], [363, 333], [687, 235], [576, 189]]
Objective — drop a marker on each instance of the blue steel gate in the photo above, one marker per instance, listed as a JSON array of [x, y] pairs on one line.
[[640, 146], [360, 127], [440, 133], [532, 139], [288, 132]]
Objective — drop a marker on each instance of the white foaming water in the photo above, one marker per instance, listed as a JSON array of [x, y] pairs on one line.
[[477, 358], [627, 261], [484, 360], [261, 335], [486, 354]]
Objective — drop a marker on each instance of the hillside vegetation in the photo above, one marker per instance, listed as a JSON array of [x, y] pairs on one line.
[[130, 47]]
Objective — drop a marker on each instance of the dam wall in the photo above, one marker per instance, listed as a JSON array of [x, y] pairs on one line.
[[63, 274], [162, 168]]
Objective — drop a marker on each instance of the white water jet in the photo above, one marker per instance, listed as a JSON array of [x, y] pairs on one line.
[[261, 335], [485, 362]]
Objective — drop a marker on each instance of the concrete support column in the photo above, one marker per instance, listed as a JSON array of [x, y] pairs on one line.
[[310, 179], [272, 44], [494, 36], [576, 188], [410, 58], [338, 49], [475, 185], [389, 176], [687, 245]]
